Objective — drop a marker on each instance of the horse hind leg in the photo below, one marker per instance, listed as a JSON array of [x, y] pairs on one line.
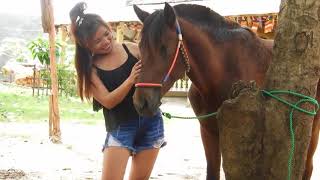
[[312, 147], [209, 136], [314, 141]]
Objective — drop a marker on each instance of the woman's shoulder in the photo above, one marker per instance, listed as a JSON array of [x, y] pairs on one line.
[[131, 44], [133, 48]]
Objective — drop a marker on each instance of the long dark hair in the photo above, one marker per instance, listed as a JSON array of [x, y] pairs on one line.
[[84, 27]]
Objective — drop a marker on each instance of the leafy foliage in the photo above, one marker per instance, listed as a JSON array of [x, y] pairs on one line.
[[40, 49], [66, 75], [66, 79]]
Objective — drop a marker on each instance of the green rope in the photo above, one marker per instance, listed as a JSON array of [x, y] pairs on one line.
[[294, 106], [169, 116]]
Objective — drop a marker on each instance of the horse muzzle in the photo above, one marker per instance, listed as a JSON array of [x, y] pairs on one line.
[[146, 105]]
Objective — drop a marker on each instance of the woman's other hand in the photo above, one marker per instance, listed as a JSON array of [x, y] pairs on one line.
[[135, 72]]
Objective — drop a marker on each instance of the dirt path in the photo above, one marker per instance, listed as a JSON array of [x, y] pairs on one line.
[[26, 153], [25, 147]]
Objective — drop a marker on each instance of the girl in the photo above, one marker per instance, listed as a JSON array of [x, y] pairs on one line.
[[107, 72]]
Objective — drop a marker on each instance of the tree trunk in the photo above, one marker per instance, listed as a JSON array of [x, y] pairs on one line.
[[256, 145], [48, 26]]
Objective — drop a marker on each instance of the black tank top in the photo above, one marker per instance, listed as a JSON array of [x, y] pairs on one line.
[[112, 79]]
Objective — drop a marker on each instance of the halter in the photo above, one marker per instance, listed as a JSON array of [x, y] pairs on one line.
[[180, 46]]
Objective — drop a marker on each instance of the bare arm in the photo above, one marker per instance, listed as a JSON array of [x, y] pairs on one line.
[[111, 99]]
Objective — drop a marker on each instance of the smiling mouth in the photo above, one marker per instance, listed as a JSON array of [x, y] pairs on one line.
[[108, 47]]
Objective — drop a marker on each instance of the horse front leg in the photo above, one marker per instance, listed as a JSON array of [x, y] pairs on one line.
[[210, 140], [314, 141], [209, 135]]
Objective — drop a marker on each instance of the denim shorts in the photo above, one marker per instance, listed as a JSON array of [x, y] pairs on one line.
[[138, 134]]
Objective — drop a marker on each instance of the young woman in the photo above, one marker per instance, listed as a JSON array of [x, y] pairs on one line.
[[107, 72]]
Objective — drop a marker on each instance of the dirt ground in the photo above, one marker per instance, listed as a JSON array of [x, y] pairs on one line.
[[26, 152]]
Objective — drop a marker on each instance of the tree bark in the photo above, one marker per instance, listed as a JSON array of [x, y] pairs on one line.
[[256, 145]]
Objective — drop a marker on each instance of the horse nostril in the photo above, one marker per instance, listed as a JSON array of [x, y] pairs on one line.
[[145, 104], [141, 105]]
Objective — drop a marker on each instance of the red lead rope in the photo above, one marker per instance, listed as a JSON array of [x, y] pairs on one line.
[[173, 62]]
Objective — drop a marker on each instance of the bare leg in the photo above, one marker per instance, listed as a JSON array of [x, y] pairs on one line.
[[142, 164], [114, 163]]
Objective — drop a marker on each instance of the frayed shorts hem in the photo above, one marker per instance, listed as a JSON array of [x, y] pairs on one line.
[[113, 142]]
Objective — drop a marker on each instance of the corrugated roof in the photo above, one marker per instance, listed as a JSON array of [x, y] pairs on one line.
[[122, 10]]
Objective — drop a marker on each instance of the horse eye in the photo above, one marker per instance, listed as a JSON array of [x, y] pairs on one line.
[[163, 50]]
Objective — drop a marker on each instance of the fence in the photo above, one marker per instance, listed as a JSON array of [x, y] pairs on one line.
[[42, 86], [40, 83], [180, 88]]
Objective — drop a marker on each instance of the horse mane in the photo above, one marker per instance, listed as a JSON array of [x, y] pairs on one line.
[[204, 16], [222, 30], [153, 28], [218, 28]]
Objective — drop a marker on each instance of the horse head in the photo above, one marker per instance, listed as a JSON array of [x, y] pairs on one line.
[[161, 56]]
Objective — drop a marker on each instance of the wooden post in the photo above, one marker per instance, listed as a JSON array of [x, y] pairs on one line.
[[50, 116], [63, 34], [120, 28], [48, 26], [34, 79]]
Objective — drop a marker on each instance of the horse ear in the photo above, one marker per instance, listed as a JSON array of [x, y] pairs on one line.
[[169, 15], [142, 15]]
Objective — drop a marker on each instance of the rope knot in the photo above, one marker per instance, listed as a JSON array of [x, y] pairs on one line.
[[167, 115]]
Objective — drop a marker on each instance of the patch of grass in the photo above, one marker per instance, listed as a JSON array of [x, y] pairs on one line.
[[17, 104], [23, 107]]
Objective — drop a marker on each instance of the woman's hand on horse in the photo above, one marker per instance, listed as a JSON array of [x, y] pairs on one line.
[[135, 72]]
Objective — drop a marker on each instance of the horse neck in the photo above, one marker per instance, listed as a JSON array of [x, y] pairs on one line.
[[207, 61], [199, 50]]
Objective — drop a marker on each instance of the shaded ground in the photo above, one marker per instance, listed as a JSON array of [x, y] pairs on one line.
[[26, 153]]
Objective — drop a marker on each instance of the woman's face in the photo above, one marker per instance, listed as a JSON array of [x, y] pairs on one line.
[[102, 41]]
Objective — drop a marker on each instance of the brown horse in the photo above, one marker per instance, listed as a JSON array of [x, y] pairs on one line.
[[215, 53]]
